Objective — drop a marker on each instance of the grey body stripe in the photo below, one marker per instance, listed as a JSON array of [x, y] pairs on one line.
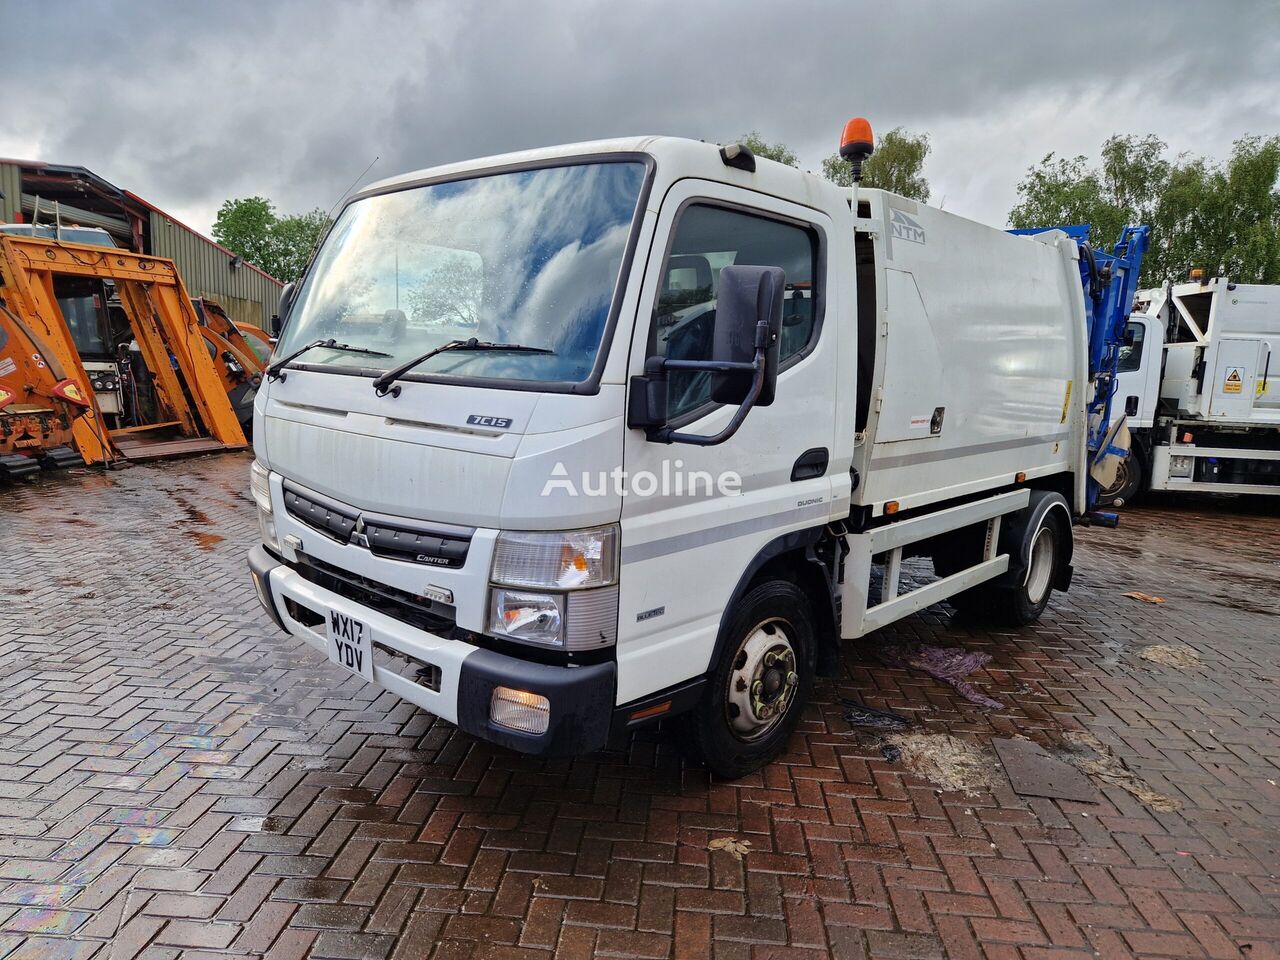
[[816, 513], [929, 456]]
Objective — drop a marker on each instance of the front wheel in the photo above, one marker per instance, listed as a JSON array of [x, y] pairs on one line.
[[761, 682], [1127, 484]]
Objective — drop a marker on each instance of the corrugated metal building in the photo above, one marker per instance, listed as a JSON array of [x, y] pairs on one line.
[[77, 195]]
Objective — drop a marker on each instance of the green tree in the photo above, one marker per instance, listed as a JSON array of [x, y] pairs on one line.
[[1222, 217], [294, 239], [281, 246], [773, 151], [244, 226], [897, 165]]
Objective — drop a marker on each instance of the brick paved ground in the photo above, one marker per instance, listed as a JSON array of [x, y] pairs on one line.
[[176, 778]]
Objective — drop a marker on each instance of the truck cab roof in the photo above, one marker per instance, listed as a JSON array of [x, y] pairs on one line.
[[691, 158]]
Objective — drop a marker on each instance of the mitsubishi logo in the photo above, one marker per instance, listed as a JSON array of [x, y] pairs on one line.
[[357, 535]]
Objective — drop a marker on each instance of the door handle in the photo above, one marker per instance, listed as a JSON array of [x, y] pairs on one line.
[[1131, 406], [810, 464]]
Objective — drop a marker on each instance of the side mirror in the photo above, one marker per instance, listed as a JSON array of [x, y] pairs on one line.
[[748, 298], [282, 311], [744, 357]]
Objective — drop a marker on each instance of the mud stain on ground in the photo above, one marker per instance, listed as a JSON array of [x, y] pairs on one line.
[[1180, 658], [1096, 760], [948, 761]]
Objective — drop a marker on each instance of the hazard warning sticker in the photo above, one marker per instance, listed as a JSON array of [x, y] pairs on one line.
[[1233, 382]]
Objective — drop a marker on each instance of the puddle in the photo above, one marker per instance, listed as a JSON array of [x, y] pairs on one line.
[[203, 540], [313, 763], [193, 513]]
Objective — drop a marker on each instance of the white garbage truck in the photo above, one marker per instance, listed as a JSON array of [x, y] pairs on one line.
[[1199, 386], [562, 443]]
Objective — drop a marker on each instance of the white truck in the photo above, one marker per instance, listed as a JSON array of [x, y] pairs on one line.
[[1199, 386], [561, 443]]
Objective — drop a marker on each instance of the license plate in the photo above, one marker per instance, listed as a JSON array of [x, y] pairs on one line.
[[351, 644]]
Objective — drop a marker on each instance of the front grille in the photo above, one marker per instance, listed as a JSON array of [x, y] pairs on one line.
[[434, 548], [325, 516], [437, 618], [435, 545]]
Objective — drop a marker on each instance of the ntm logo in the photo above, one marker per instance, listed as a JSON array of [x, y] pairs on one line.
[[907, 228]]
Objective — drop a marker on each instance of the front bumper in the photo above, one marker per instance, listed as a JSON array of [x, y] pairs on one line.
[[450, 678]]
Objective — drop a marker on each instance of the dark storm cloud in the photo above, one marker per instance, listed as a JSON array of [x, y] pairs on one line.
[[292, 100]]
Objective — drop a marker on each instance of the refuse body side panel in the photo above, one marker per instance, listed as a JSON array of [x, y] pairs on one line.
[[981, 362]]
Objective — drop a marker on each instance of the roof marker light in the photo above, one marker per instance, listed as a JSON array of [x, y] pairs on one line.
[[857, 143]]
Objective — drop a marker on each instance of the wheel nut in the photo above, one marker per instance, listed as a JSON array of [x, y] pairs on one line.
[[792, 679]]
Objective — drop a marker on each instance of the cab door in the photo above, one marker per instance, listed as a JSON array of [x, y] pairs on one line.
[[695, 517], [1138, 373]]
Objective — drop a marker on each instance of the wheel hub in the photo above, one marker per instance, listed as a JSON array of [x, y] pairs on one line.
[[763, 681], [1041, 571]]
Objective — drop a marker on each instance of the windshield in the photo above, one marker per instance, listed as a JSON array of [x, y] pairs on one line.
[[530, 257]]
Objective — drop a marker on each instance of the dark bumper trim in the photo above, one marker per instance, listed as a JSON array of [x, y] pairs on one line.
[[582, 701], [261, 563], [683, 697]]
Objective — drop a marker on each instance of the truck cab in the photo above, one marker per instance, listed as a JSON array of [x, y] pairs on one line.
[[560, 443], [1197, 384]]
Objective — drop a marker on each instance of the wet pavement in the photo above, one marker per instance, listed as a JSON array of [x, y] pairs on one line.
[[177, 778]]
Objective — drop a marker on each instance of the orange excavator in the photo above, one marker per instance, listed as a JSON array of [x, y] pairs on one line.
[[232, 346], [83, 379]]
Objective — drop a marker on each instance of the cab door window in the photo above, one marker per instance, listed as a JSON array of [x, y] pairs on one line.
[[1131, 352], [708, 238]]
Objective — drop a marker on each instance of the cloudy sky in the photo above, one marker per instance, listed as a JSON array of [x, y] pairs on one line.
[[188, 104]]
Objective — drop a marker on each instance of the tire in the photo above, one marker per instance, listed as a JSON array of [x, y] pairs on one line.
[[1128, 482], [1020, 603], [770, 637], [1023, 603]]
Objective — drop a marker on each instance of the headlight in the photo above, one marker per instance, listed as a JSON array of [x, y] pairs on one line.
[[260, 487], [572, 560], [527, 617]]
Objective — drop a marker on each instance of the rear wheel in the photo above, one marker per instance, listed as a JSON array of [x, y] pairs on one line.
[[761, 683], [1027, 601], [1021, 599]]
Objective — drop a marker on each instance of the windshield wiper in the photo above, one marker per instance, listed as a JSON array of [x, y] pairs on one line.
[[383, 385], [276, 370]]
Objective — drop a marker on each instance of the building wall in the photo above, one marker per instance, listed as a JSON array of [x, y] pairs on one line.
[[245, 293], [11, 187]]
